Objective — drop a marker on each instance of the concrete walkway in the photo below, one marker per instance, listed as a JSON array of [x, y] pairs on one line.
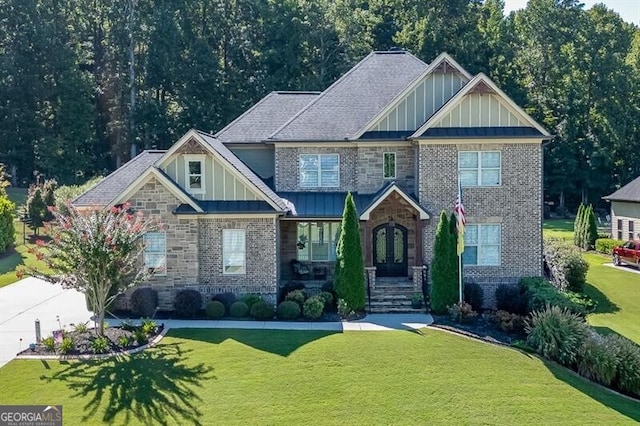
[[29, 299]]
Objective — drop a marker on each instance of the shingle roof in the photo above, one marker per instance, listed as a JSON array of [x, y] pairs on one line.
[[112, 185], [480, 132], [265, 117], [352, 101], [242, 168], [629, 192], [227, 207]]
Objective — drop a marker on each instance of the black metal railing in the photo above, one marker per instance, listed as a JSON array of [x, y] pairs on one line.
[[368, 290], [426, 289]]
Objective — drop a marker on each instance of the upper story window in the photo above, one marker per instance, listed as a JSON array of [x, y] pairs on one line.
[[482, 244], [319, 170], [194, 170], [234, 258], [480, 168], [389, 165], [155, 252]]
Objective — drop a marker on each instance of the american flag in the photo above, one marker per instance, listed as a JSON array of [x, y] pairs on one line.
[[460, 220]]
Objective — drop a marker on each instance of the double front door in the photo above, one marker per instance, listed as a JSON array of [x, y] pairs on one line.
[[390, 250]]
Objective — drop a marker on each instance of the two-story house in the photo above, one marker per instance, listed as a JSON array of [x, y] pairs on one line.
[[398, 133]]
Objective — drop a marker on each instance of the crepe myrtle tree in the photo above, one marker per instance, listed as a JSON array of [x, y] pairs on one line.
[[96, 252]]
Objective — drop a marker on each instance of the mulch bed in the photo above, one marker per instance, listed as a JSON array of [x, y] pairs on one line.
[[479, 328], [83, 342]]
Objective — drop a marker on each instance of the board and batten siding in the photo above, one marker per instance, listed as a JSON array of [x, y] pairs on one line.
[[422, 102], [219, 182], [481, 110]]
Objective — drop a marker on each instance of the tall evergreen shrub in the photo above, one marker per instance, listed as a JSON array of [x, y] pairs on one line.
[[444, 286], [7, 231], [349, 271], [592, 229], [577, 226]]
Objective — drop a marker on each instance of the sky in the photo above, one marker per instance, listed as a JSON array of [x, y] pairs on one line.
[[629, 10]]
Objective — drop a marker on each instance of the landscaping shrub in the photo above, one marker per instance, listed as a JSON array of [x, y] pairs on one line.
[[328, 299], [461, 312], [598, 360], [239, 310], [628, 371], [557, 334], [227, 299], [49, 343], [67, 345], [140, 336], [215, 309], [124, 341], [144, 301], [148, 326], [297, 296], [251, 299], [188, 303], [343, 308], [262, 311], [606, 245], [540, 293], [474, 295], [288, 288], [568, 268], [444, 268], [81, 327], [509, 322], [511, 299], [100, 345], [7, 231], [288, 310], [313, 307]]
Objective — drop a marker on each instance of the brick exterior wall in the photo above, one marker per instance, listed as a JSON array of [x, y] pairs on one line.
[[287, 176], [370, 168], [516, 205], [154, 200], [261, 256]]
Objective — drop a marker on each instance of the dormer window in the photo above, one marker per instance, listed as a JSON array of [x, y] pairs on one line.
[[194, 174]]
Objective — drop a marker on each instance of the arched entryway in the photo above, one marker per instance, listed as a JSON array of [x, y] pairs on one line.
[[390, 255]]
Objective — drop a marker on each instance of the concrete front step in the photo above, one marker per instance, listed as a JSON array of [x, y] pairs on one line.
[[395, 310]]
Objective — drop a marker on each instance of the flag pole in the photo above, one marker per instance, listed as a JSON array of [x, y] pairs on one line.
[[460, 223], [460, 277]]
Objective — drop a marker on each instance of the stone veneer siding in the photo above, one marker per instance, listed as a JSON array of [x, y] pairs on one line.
[[155, 201], [261, 257], [287, 176], [371, 173], [516, 205]]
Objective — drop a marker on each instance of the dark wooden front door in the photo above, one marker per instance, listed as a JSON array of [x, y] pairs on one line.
[[390, 250]]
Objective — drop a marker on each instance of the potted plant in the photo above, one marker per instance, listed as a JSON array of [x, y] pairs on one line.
[[417, 301], [302, 242]]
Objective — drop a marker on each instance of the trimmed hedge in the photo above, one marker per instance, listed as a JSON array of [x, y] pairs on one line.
[[215, 309], [227, 299], [250, 299], [568, 268], [144, 301], [313, 307], [474, 295], [297, 296], [239, 310], [7, 231], [187, 303], [288, 310], [262, 311], [606, 245]]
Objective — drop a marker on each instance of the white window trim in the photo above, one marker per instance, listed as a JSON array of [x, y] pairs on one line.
[[479, 169], [395, 165], [224, 257], [478, 245], [195, 158], [319, 185], [144, 254]]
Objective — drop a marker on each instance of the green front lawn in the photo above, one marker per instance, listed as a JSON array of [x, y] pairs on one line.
[[289, 377]]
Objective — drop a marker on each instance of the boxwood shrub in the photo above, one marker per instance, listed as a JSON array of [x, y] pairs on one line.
[[313, 307], [215, 309], [262, 311], [297, 296], [606, 245], [288, 310], [566, 264], [144, 301], [239, 310], [226, 299], [187, 303], [250, 299]]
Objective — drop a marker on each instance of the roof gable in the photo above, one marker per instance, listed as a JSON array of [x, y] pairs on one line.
[[265, 117], [630, 192], [386, 192], [480, 104], [343, 109]]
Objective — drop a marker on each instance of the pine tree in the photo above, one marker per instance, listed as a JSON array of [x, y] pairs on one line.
[[577, 226], [349, 272], [35, 208], [444, 287]]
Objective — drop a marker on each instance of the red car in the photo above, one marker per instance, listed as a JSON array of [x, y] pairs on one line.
[[628, 253]]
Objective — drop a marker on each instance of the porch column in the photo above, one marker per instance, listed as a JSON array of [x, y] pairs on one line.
[[366, 240], [418, 257]]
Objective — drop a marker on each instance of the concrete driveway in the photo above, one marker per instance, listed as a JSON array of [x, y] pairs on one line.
[[30, 299]]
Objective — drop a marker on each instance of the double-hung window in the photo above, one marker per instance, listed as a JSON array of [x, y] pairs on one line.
[[194, 171], [482, 244], [155, 252], [619, 229], [631, 230], [480, 168], [317, 241], [234, 259], [319, 170], [389, 165]]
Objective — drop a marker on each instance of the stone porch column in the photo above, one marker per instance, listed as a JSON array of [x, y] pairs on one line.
[[370, 273]]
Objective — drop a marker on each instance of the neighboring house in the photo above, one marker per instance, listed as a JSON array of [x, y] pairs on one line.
[[625, 211], [240, 205]]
